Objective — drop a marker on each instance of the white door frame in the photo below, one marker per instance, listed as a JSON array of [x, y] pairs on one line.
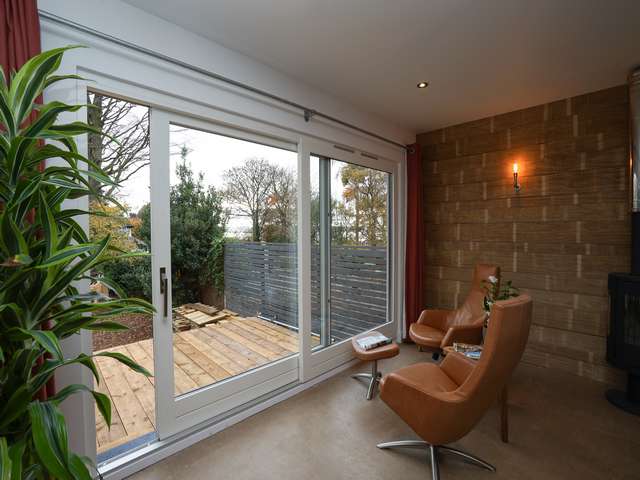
[[314, 363], [175, 414]]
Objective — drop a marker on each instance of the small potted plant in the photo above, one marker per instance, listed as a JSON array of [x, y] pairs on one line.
[[494, 293]]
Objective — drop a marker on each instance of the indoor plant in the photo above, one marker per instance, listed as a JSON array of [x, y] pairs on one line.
[[43, 253], [494, 293]]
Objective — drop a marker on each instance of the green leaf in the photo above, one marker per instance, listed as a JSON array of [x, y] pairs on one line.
[[67, 254], [19, 148], [15, 406], [5, 460], [47, 115], [49, 226], [50, 367], [106, 326], [46, 340], [66, 278], [104, 406], [78, 467], [12, 240], [126, 361], [49, 434], [29, 81], [6, 116], [102, 401], [16, 453]]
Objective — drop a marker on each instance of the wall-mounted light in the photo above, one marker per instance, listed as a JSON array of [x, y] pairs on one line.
[[516, 184], [422, 85]]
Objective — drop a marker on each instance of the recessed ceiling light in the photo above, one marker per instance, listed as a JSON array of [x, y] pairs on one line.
[[423, 85]]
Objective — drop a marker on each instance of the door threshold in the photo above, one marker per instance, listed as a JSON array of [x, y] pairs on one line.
[[129, 463]]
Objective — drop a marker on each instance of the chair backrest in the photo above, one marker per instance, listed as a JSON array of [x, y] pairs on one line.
[[472, 309], [503, 348]]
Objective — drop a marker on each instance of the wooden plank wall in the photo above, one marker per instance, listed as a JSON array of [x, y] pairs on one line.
[[557, 239], [261, 279]]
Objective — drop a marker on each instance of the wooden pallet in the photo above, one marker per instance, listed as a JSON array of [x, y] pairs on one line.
[[197, 315], [202, 356]]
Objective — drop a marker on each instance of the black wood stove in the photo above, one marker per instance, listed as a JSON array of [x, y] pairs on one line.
[[623, 339]]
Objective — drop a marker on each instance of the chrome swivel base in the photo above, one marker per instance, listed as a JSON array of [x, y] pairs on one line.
[[373, 377], [433, 454]]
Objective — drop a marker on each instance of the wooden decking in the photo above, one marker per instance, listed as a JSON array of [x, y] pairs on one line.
[[201, 356]]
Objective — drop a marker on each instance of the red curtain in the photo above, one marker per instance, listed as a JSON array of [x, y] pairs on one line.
[[414, 249], [19, 41], [19, 33]]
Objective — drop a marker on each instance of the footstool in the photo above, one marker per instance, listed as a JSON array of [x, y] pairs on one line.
[[373, 355]]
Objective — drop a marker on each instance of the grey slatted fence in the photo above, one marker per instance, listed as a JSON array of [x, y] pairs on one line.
[[261, 280]]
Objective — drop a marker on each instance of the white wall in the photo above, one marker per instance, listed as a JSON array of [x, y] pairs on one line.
[[134, 75], [134, 25]]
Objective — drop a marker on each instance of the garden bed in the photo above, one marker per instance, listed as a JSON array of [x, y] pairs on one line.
[[140, 328]]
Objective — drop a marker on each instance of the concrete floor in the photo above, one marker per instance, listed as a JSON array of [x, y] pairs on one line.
[[561, 428]]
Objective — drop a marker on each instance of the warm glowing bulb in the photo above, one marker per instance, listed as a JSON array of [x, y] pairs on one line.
[[515, 168]]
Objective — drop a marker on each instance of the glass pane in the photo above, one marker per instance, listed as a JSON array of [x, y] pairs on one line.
[[350, 249], [359, 249], [132, 395], [233, 256], [317, 300]]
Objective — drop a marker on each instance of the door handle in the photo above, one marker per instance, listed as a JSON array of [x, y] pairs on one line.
[[164, 290]]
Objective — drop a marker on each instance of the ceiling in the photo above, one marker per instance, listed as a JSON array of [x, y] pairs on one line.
[[479, 57]]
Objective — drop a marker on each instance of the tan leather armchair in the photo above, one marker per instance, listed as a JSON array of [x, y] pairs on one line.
[[442, 403], [436, 329]]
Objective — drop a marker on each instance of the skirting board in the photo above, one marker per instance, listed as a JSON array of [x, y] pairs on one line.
[[129, 464]]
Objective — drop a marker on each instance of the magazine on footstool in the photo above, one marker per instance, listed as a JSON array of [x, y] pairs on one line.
[[372, 341], [471, 351]]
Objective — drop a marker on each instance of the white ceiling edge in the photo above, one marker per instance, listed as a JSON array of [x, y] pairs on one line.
[[124, 21], [480, 58]]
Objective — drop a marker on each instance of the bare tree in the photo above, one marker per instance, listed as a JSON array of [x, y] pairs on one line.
[[127, 122], [281, 214], [247, 189]]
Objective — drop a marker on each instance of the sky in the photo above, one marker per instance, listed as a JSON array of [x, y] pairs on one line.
[[213, 154]]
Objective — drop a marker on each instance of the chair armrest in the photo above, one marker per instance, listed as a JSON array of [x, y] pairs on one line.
[[457, 367], [434, 318], [471, 333]]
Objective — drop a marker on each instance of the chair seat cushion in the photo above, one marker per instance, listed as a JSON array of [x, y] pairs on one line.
[[385, 351], [425, 335], [429, 375]]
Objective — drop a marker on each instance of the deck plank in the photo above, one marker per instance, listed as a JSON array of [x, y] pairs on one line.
[[134, 418], [274, 343], [229, 348], [259, 347], [142, 388], [141, 356], [104, 434], [183, 383], [199, 376], [202, 356], [262, 327], [201, 341]]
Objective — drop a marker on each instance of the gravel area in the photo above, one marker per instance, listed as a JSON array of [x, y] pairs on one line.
[[140, 328]]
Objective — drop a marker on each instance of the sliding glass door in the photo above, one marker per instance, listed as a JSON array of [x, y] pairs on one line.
[[350, 230], [350, 258], [223, 220], [267, 254]]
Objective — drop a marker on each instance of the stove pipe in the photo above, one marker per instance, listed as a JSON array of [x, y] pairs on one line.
[[634, 152]]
